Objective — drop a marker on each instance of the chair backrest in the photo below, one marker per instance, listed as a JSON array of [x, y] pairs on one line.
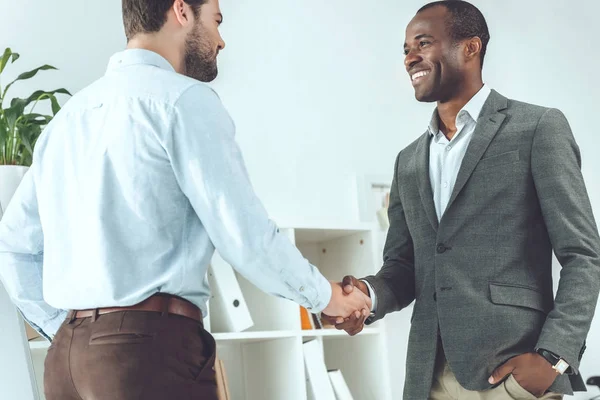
[[594, 381]]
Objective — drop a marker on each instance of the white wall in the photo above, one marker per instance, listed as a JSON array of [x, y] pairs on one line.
[[319, 93]]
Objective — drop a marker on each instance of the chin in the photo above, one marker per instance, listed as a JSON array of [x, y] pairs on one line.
[[425, 97]]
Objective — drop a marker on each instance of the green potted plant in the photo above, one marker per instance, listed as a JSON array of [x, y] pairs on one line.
[[20, 127]]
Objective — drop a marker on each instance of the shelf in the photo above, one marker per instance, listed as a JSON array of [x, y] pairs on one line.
[[253, 336], [39, 343], [331, 332], [249, 337], [267, 335], [317, 232]]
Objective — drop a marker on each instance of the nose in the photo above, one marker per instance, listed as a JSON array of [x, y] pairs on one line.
[[221, 44], [412, 59]]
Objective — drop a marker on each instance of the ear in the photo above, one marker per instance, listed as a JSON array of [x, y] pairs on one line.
[[182, 11], [472, 48]]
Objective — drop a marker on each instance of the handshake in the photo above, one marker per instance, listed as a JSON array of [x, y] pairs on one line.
[[348, 308]]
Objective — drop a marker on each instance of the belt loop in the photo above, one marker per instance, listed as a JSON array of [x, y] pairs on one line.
[[71, 316], [94, 314]]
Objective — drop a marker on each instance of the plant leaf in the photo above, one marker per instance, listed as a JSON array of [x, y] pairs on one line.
[[24, 135], [27, 75], [17, 106], [38, 94], [28, 135], [8, 54], [55, 105], [3, 130], [4, 58], [36, 119]]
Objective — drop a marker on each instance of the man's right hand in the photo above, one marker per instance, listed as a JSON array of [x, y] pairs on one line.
[[354, 323], [343, 305]]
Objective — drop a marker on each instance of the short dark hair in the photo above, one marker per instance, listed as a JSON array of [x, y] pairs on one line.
[[147, 16], [465, 22]]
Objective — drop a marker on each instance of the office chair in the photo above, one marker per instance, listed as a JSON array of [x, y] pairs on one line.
[[594, 381]]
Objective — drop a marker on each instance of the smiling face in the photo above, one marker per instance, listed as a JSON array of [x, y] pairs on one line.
[[432, 58]]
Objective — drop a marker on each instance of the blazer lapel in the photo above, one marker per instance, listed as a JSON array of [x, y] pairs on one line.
[[488, 125], [423, 181]]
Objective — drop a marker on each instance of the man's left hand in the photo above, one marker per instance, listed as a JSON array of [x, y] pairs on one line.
[[532, 371]]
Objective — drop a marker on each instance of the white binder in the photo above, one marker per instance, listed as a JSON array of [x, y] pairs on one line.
[[340, 386], [228, 309], [318, 383]]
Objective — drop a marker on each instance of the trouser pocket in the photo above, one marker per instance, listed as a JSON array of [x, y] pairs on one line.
[[516, 391], [194, 360]]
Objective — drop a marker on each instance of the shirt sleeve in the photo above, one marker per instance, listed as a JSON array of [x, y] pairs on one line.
[[372, 295], [21, 259], [209, 167]]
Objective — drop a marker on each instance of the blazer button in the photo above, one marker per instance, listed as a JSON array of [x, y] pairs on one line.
[[441, 248]]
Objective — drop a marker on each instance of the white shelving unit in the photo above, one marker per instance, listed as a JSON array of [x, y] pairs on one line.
[[266, 362]]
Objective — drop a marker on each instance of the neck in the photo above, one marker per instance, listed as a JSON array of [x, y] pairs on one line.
[[155, 44], [448, 110]]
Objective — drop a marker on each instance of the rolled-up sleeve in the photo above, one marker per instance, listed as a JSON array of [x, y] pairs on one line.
[[21, 260], [210, 170]]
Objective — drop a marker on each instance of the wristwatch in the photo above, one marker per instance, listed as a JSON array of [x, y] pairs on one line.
[[558, 364]]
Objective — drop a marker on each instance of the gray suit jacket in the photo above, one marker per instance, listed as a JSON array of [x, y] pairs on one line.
[[481, 278]]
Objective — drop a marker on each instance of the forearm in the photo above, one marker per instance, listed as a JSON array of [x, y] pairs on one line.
[[271, 262], [567, 213], [21, 259], [21, 276], [394, 284], [394, 289], [568, 324]]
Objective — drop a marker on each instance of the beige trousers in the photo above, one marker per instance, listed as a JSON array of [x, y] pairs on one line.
[[446, 387]]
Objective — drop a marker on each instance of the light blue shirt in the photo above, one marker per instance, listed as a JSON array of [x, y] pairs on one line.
[[446, 156], [134, 183]]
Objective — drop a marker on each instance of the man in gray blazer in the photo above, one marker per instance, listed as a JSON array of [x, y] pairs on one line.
[[477, 205]]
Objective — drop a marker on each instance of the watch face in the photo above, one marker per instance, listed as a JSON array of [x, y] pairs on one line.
[[561, 366]]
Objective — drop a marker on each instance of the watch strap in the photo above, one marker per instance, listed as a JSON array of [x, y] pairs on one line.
[[559, 365]]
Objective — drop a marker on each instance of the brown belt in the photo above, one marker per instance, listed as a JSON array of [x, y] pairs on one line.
[[157, 303]]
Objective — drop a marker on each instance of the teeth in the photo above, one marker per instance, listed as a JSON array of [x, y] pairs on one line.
[[420, 74]]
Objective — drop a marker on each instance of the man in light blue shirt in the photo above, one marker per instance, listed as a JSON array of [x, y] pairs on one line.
[[134, 184]]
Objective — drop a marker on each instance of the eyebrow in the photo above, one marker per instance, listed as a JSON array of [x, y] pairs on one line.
[[421, 36]]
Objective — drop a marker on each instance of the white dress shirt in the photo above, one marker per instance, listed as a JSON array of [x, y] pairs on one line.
[[134, 183], [445, 156]]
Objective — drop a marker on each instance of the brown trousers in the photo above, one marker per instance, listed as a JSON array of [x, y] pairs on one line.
[[131, 355]]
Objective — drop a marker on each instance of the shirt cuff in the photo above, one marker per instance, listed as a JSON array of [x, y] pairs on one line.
[[372, 295], [324, 294], [53, 325], [50, 327]]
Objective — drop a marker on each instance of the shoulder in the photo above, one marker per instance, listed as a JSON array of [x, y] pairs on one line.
[[524, 112], [527, 110], [192, 91], [200, 105], [527, 117], [407, 153]]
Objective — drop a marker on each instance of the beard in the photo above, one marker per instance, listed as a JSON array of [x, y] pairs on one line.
[[200, 59]]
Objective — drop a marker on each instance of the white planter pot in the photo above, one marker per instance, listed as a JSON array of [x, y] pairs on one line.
[[10, 177]]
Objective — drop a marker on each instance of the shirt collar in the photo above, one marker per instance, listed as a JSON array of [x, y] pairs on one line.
[[472, 109], [136, 57]]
